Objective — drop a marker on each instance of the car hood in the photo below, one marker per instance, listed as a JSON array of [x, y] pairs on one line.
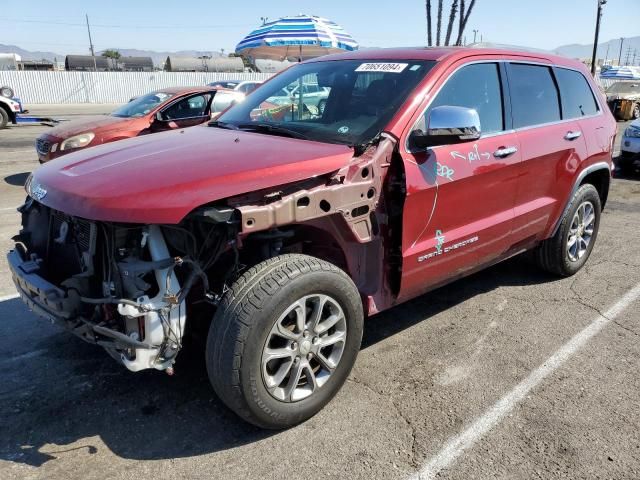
[[635, 124], [87, 124], [161, 178]]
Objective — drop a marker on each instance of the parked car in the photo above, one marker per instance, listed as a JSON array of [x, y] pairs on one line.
[[630, 147], [274, 237], [624, 100], [312, 95], [231, 92], [230, 84], [10, 106], [158, 111]]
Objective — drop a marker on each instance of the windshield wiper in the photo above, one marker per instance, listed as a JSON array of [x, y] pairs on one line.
[[218, 124], [272, 129]]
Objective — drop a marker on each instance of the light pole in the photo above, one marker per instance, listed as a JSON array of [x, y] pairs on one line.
[[595, 40], [475, 32]]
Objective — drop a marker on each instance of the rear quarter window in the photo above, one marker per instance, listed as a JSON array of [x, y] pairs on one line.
[[534, 95], [576, 94]]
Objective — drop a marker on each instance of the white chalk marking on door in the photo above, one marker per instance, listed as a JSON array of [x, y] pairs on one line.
[[483, 424]]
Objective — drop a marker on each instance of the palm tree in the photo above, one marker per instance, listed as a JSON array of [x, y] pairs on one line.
[[111, 53], [429, 40], [452, 18], [439, 24], [460, 26], [463, 21]]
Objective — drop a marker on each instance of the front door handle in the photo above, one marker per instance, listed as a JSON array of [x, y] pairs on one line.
[[503, 152], [572, 135]]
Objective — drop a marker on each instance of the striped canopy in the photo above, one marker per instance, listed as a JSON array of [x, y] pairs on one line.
[[294, 38], [630, 73]]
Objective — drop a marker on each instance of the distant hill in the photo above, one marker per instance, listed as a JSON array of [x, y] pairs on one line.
[[585, 51], [28, 55], [158, 57]]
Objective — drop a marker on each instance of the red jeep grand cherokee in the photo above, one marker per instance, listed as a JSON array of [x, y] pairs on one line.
[[155, 112], [274, 232]]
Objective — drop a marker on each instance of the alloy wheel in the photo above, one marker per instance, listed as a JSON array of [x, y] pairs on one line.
[[581, 231], [303, 348]]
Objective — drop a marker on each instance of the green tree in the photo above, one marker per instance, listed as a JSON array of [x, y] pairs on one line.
[[111, 53]]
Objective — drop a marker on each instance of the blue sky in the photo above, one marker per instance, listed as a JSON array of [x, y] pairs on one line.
[[199, 25]]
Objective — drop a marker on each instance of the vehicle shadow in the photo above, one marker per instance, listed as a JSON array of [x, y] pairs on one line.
[[59, 392], [17, 179]]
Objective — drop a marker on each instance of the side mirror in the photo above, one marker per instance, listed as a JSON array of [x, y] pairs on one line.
[[447, 125], [158, 117]]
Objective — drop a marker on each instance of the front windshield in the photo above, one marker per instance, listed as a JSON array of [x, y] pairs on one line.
[[141, 106], [343, 101]]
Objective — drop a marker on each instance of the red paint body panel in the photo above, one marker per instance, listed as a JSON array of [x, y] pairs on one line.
[[108, 128], [161, 178], [492, 204]]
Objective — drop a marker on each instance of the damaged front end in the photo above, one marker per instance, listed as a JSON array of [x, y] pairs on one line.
[[121, 286]]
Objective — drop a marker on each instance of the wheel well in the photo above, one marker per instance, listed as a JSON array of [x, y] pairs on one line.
[[320, 244], [600, 179], [12, 115]]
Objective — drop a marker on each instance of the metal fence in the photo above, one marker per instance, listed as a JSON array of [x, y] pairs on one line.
[[34, 87]]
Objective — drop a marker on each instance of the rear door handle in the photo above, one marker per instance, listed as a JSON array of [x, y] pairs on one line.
[[504, 152], [572, 135]]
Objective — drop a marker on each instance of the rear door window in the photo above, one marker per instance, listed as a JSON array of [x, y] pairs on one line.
[[576, 94], [474, 86], [534, 95]]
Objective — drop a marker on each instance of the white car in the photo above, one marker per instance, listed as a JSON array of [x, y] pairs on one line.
[[312, 94], [630, 147], [225, 97], [9, 107]]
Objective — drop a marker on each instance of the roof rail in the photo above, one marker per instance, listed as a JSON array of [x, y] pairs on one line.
[[510, 47]]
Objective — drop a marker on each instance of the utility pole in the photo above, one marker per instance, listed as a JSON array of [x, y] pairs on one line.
[[606, 57], [95, 67], [626, 61], [475, 32], [620, 54], [601, 3], [635, 51]]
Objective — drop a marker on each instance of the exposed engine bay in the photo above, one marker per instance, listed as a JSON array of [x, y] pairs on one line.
[[123, 287]]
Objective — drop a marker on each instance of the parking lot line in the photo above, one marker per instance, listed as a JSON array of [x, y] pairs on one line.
[[483, 424]]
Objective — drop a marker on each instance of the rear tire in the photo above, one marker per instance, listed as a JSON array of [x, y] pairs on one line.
[[6, 92], [4, 118], [568, 250], [269, 358]]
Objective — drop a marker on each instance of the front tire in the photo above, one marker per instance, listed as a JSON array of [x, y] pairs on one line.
[[4, 118], [284, 340], [568, 250]]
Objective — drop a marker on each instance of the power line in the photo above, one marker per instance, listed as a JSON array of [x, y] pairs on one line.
[[98, 25]]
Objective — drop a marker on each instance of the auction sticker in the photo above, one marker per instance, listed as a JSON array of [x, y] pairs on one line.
[[382, 67]]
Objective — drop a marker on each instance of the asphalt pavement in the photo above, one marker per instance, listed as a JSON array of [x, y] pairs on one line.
[[510, 373]]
